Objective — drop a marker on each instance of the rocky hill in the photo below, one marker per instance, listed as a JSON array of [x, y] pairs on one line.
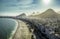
[[50, 13], [21, 15]]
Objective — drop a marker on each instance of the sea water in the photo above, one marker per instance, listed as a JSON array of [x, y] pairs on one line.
[[7, 25]]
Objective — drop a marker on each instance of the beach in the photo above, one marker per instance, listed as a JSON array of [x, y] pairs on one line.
[[22, 31]]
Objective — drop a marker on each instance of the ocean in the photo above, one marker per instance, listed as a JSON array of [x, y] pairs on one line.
[[7, 25]]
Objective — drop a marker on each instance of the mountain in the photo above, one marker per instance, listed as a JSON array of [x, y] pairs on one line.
[[58, 12], [50, 13], [22, 15]]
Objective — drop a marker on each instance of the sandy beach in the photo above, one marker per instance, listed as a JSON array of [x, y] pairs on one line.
[[22, 31]]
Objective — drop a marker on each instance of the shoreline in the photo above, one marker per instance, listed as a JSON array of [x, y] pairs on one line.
[[22, 31], [15, 28]]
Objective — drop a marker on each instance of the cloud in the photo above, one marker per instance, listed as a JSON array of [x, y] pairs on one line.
[[19, 5], [15, 5], [24, 2]]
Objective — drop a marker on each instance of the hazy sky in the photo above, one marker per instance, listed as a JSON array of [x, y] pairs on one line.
[[18, 6]]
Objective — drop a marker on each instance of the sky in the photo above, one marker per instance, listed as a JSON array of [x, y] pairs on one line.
[[15, 7]]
